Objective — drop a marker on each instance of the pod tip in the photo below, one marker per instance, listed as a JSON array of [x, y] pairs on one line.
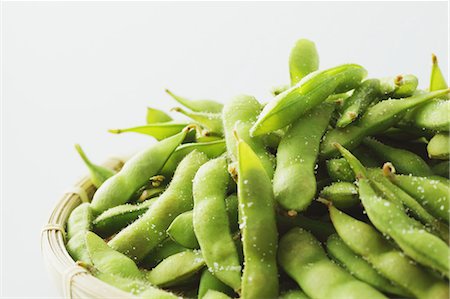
[[434, 58], [115, 131]]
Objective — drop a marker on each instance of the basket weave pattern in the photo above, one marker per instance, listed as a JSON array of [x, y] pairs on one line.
[[73, 281]]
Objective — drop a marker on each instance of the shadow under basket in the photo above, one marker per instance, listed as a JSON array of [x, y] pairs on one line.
[[74, 281]]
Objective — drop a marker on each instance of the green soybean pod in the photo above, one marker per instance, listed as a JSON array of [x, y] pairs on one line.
[[238, 115], [210, 282], [157, 130], [364, 95], [377, 118], [442, 169], [367, 242], [197, 105], [79, 222], [212, 149], [320, 229], [258, 226], [399, 86], [312, 90], [181, 230], [431, 116], [232, 203], [276, 90], [437, 80], [140, 237], [405, 162], [134, 286], [156, 116], [410, 235], [135, 173], [439, 147], [211, 224], [396, 195], [303, 259], [303, 60], [176, 269], [108, 260], [113, 220], [432, 194], [294, 181], [213, 294], [294, 294], [98, 173], [406, 86], [343, 195], [163, 250], [360, 268], [339, 170], [211, 121]]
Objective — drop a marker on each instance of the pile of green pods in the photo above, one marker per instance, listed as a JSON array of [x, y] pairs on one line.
[[337, 187]]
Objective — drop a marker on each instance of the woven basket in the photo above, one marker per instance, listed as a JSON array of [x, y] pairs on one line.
[[74, 281]]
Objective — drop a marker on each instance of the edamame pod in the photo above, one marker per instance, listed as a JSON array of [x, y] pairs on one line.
[[135, 173], [113, 220], [181, 230], [98, 173], [197, 105], [163, 250], [431, 116], [238, 115], [364, 240], [406, 86], [307, 94], [211, 224], [442, 169], [303, 60], [211, 121], [294, 181], [303, 259], [212, 149], [320, 229], [377, 118], [432, 194], [209, 282], [137, 287], [258, 226], [79, 222], [176, 268], [213, 294], [437, 80], [294, 294], [364, 95], [399, 86], [157, 130], [359, 268], [439, 147], [156, 116], [343, 195], [396, 195], [339, 170], [405, 162], [232, 203], [140, 237], [410, 235], [108, 260], [276, 90]]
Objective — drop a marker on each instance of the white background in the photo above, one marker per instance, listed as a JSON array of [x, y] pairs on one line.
[[72, 70]]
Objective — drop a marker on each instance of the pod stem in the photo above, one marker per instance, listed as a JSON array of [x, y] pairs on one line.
[[389, 170], [83, 155]]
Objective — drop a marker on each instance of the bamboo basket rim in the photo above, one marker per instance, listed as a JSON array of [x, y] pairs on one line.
[[74, 281]]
